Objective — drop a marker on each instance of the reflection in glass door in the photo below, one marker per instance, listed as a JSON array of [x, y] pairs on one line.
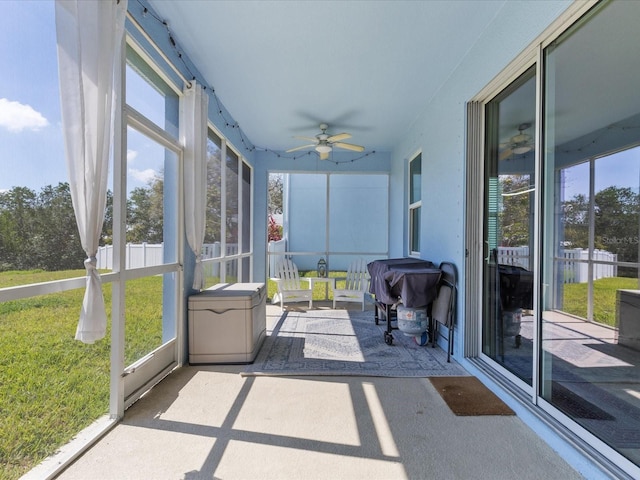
[[590, 261], [508, 320]]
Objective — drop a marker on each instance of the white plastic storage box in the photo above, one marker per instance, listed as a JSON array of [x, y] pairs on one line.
[[227, 323]]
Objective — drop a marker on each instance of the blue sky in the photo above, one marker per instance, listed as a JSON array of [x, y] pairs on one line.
[[31, 152], [621, 169], [31, 143]]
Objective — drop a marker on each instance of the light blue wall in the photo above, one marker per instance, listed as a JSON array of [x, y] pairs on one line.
[[358, 213], [306, 214], [439, 133]]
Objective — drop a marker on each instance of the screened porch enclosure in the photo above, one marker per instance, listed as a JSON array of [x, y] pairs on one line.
[[330, 216], [534, 195]]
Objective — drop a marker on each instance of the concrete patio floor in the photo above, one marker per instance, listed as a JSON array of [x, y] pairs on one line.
[[208, 422]]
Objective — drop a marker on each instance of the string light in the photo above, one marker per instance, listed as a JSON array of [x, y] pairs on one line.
[[598, 136], [247, 145]]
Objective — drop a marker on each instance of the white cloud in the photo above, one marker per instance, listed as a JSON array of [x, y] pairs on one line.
[[16, 117], [131, 155], [144, 176]]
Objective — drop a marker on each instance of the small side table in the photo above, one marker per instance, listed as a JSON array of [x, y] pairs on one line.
[[313, 280]]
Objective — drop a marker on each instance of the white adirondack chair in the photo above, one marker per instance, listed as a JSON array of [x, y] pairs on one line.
[[289, 285], [356, 285]]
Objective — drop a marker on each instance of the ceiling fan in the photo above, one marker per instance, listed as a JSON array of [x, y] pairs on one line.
[[518, 144], [323, 143]]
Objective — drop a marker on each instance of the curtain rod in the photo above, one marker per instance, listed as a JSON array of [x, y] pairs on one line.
[[157, 48]]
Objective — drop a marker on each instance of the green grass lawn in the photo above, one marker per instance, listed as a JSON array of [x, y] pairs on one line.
[[604, 298], [51, 385]]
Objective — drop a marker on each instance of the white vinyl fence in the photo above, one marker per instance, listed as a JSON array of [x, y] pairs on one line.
[[137, 255], [214, 250], [577, 271], [576, 267], [279, 246], [149, 254]]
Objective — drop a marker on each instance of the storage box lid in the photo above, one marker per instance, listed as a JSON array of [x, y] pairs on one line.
[[230, 292]]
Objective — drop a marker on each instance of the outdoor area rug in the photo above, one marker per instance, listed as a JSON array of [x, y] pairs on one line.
[[342, 342], [467, 396]]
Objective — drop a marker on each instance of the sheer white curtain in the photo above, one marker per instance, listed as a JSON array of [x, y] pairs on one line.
[[193, 135], [89, 36]]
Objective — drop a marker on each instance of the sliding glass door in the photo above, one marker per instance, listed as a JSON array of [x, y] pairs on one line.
[[509, 184], [590, 315], [560, 273]]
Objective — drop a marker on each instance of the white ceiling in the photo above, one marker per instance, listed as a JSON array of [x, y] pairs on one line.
[[365, 67]]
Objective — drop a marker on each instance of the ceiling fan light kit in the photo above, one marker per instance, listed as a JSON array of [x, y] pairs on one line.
[[323, 143], [522, 149], [323, 148], [519, 144]]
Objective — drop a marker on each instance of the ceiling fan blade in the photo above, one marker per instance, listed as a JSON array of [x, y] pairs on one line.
[[302, 147], [521, 138], [349, 146], [324, 155], [505, 154], [338, 137], [308, 139]]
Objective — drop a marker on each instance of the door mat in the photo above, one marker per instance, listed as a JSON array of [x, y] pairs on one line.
[[467, 396], [574, 405]]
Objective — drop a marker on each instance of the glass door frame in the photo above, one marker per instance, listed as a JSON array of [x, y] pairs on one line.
[[475, 282]]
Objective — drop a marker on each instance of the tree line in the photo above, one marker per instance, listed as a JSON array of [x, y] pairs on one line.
[[616, 215], [616, 219], [38, 230]]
